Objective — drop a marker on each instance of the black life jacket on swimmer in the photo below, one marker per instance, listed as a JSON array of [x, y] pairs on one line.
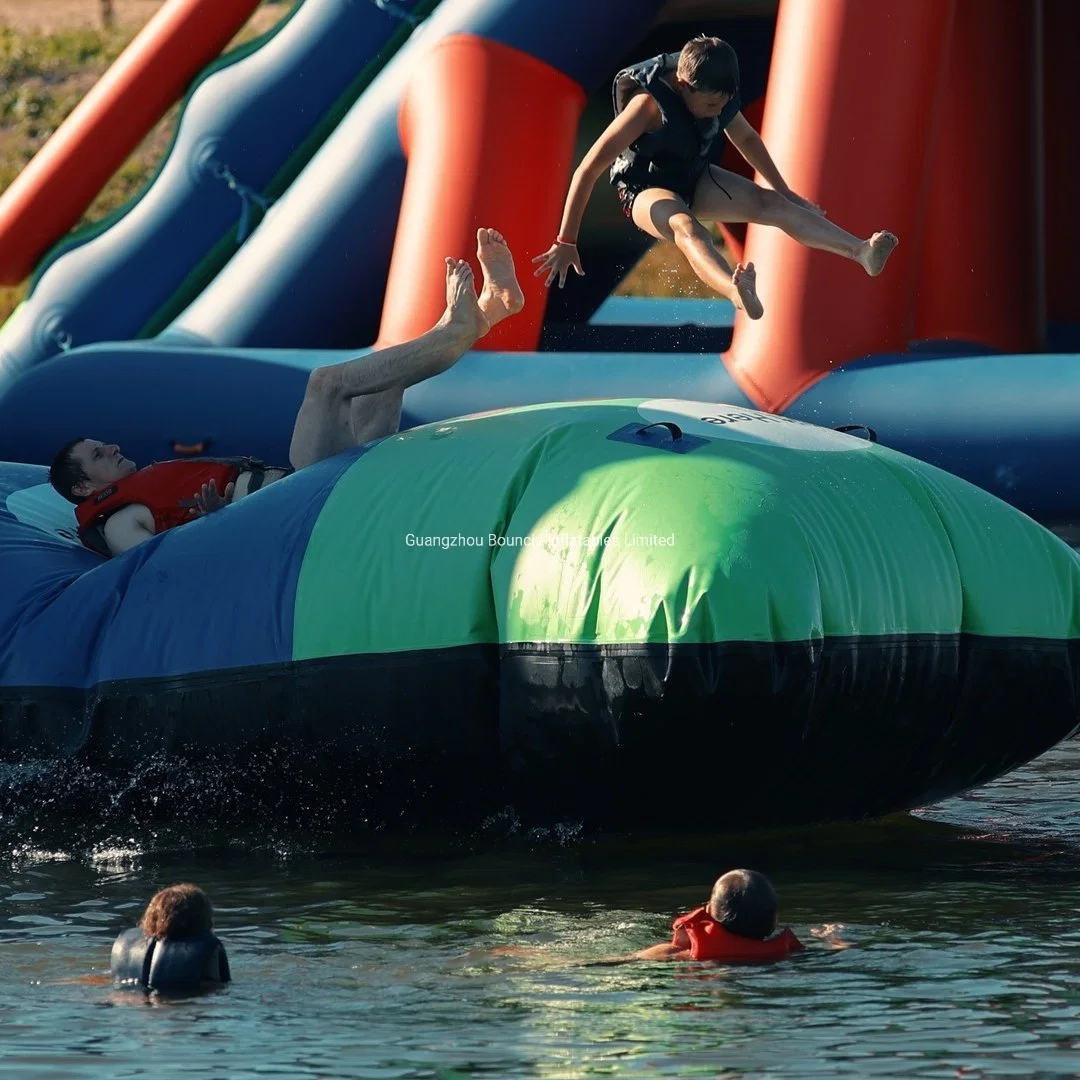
[[710, 941], [675, 155], [139, 962]]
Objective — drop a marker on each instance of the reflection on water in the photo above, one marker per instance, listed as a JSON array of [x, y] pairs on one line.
[[382, 962]]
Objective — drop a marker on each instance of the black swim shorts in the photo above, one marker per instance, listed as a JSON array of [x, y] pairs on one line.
[[628, 192]]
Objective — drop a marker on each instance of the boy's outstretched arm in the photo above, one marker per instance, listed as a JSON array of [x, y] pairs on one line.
[[639, 116], [750, 144]]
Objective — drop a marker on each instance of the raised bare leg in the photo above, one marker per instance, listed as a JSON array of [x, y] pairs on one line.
[[501, 295], [328, 421], [371, 416], [459, 326], [745, 281], [725, 196], [876, 252], [664, 215]]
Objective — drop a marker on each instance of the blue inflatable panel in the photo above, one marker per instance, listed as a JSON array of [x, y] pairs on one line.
[[152, 399], [581, 40], [313, 278], [644, 324], [240, 128], [84, 620], [663, 311], [314, 274], [1006, 423], [491, 380], [244, 401]]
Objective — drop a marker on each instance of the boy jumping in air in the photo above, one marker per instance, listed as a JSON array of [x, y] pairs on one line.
[[669, 111]]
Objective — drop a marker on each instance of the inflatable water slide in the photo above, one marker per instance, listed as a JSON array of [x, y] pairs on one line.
[[571, 564]]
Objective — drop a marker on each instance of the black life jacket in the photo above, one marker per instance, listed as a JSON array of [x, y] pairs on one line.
[[146, 963], [675, 155]]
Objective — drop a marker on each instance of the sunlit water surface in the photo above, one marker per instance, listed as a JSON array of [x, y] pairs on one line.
[[361, 959]]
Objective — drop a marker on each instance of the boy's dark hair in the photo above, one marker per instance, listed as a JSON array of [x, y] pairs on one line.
[[65, 472], [744, 903], [179, 911], [709, 65]]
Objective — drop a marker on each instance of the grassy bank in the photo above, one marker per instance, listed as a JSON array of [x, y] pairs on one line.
[[42, 78], [53, 51]]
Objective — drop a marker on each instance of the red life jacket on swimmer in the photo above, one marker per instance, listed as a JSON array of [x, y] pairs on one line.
[[167, 488], [710, 941]]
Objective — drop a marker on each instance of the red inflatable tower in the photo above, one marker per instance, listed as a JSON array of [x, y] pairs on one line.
[[854, 92], [979, 271], [489, 133]]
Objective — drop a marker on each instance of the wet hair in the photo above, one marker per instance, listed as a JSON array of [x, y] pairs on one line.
[[65, 471], [179, 911], [709, 65], [744, 902]]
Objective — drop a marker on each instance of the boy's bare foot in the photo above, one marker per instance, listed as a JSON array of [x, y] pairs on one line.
[[501, 295], [462, 310], [876, 251], [745, 281]]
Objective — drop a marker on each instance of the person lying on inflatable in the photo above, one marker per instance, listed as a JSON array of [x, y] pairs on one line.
[[737, 925], [119, 505], [173, 948]]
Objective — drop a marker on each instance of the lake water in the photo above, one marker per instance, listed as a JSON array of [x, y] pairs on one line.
[[359, 956]]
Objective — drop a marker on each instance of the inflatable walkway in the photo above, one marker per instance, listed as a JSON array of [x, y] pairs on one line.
[[630, 589]]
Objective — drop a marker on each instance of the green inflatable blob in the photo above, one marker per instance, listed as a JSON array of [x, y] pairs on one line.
[[540, 525], [586, 606]]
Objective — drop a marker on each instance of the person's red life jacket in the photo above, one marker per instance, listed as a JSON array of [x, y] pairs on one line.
[[710, 941], [167, 488]]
